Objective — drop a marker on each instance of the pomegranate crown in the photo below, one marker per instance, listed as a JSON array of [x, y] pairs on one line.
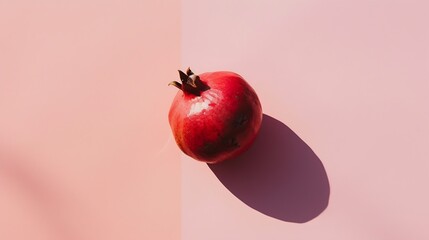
[[191, 83]]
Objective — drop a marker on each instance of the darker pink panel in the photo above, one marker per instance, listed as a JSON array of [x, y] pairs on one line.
[[85, 147]]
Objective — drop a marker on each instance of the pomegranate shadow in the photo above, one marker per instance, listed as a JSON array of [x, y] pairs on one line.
[[279, 176]]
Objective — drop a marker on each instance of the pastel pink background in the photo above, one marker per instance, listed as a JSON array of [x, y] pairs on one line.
[[85, 147], [351, 79]]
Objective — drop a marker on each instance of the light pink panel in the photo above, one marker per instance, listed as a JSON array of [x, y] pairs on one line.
[[85, 147], [351, 79]]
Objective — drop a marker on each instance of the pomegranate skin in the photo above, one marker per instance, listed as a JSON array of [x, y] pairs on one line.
[[219, 121]]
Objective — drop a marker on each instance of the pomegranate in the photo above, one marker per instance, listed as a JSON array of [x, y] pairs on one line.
[[215, 116]]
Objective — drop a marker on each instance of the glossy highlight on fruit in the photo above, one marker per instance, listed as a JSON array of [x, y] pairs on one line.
[[215, 116]]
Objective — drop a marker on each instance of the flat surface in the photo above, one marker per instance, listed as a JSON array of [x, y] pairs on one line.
[[86, 151], [83, 152], [351, 80]]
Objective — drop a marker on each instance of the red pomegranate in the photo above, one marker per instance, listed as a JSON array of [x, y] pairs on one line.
[[215, 116]]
